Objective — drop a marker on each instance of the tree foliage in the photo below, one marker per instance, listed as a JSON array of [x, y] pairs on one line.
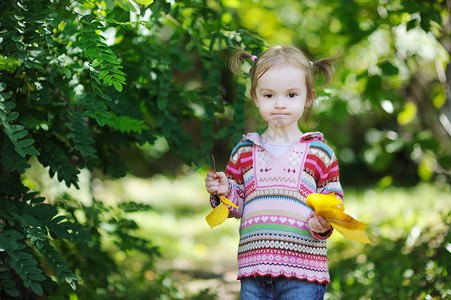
[[388, 111], [369, 275], [83, 82], [79, 81]]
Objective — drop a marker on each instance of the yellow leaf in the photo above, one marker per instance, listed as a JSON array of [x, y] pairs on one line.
[[336, 217], [218, 215], [227, 201], [144, 2], [408, 114], [331, 208], [324, 202], [354, 235]]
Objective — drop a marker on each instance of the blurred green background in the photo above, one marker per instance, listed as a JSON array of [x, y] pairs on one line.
[[109, 108]]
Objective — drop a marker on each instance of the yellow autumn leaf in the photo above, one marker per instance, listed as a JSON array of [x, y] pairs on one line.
[[332, 209], [336, 217], [324, 202], [218, 215], [227, 201], [353, 235]]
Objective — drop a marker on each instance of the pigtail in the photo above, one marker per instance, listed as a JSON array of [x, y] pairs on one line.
[[236, 60], [326, 66]]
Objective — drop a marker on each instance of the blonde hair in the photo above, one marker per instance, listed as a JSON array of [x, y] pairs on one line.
[[283, 54]]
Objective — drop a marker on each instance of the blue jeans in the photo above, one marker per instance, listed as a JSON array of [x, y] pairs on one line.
[[280, 288]]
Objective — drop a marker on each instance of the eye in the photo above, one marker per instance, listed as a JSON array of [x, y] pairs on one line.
[[268, 95], [292, 95]]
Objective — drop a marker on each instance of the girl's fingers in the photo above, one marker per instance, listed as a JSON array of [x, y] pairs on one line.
[[323, 223], [216, 183], [212, 174], [318, 224], [212, 182], [313, 224]]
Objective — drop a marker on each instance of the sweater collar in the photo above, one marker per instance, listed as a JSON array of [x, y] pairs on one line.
[[306, 137]]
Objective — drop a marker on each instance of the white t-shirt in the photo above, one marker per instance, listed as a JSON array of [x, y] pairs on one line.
[[277, 149]]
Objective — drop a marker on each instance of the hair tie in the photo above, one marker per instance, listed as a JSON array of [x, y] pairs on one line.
[[311, 63], [254, 57]]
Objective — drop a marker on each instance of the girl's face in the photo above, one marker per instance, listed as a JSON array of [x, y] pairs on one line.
[[281, 95]]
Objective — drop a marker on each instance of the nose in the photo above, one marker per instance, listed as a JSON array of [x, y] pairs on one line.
[[279, 103]]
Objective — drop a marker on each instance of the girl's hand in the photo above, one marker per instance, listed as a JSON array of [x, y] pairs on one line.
[[216, 183], [318, 224]]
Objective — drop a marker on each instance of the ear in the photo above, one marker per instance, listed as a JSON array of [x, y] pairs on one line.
[[256, 103], [310, 100], [254, 98]]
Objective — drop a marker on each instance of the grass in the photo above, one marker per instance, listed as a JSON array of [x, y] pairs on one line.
[[202, 262], [202, 258]]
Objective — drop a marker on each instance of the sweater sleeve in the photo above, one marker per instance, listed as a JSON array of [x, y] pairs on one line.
[[327, 178], [235, 191]]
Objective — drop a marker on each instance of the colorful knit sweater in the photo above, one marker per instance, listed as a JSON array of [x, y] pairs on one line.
[[270, 192]]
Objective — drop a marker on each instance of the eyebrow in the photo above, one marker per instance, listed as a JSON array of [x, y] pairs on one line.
[[271, 90]]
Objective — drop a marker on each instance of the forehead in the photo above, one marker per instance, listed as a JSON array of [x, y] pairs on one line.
[[282, 75]]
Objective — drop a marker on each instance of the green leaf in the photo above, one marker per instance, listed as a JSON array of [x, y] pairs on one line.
[[389, 69], [49, 40], [19, 151], [36, 287], [103, 74], [117, 86], [20, 134], [26, 143], [2, 86], [97, 62], [12, 116], [117, 72], [66, 72], [161, 103], [119, 77], [15, 37], [37, 277], [132, 6], [5, 96], [13, 292], [374, 84], [9, 105], [90, 51], [107, 78], [111, 59], [29, 196], [110, 4], [15, 128], [31, 151]]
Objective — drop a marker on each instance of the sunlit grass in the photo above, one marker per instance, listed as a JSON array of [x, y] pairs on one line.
[[203, 258], [176, 222], [178, 227]]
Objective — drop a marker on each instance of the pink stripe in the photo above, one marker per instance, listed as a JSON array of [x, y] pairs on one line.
[[277, 204], [234, 171], [246, 159], [334, 169], [310, 276], [273, 219], [318, 168], [308, 189], [285, 259], [280, 252]]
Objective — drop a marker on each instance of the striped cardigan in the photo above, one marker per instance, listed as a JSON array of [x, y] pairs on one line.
[[270, 192]]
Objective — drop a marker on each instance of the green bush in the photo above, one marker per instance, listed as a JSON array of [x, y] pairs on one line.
[[80, 81], [409, 267]]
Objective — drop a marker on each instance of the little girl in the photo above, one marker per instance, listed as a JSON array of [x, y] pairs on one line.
[[282, 251]]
